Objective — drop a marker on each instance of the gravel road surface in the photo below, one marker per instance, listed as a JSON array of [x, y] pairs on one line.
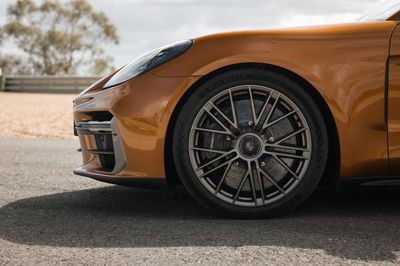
[[31, 115], [50, 216]]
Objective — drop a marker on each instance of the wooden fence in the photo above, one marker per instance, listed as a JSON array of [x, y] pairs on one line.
[[48, 84]]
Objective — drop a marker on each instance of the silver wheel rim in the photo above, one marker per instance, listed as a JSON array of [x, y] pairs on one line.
[[250, 145]]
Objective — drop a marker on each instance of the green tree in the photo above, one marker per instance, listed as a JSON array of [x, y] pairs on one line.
[[14, 65], [60, 38]]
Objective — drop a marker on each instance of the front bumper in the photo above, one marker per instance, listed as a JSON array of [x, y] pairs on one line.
[[122, 130], [104, 154]]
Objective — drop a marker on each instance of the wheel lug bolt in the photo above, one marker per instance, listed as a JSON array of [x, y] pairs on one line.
[[250, 123], [236, 163], [262, 163], [271, 139], [228, 138]]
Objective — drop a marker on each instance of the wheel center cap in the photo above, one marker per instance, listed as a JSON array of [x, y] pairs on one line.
[[249, 146]]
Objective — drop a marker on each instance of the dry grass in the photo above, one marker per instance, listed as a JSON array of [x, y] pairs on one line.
[[36, 115]]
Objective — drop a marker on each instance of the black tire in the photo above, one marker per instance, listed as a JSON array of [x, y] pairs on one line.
[[230, 79]]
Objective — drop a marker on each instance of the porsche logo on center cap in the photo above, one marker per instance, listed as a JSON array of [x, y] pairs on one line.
[[249, 146]]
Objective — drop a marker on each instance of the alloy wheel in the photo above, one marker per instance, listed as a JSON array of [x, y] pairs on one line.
[[249, 145]]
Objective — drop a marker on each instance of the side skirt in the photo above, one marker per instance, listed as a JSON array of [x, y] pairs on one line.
[[383, 181]]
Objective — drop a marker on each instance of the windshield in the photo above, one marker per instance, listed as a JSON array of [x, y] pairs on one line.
[[381, 11]]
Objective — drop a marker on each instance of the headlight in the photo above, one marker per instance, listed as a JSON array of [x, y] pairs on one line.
[[148, 61]]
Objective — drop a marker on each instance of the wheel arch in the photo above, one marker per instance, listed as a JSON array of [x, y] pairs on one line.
[[331, 172]]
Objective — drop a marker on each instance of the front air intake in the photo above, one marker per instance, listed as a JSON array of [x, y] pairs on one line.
[[108, 147]]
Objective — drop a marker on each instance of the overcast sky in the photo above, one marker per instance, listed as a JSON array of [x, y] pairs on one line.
[[147, 24]]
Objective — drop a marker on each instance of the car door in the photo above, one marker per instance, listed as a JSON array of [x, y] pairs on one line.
[[393, 102]]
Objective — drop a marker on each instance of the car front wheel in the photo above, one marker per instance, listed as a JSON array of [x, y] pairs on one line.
[[250, 143]]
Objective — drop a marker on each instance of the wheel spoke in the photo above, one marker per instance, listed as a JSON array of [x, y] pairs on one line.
[[287, 155], [224, 116], [215, 159], [227, 130], [285, 147], [233, 109], [211, 130], [290, 135], [223, 177], [207, 150], [263, 108], [216, 168], [281, 118], [241, 186], [271, 111], [252, 184], [253, 109], [279, 160], [272, 180], [260, 183]]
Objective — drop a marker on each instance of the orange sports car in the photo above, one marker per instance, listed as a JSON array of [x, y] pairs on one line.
[[251, 122]]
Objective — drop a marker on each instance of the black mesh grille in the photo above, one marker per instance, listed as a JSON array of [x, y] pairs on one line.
[[105, 150], [101, 116]]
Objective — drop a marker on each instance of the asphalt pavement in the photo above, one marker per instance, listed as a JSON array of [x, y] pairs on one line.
[[49, 216]]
